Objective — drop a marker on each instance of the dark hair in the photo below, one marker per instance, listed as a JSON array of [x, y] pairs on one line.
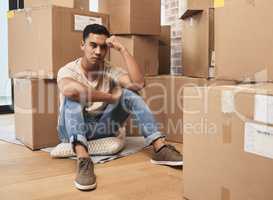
[[96, 29]]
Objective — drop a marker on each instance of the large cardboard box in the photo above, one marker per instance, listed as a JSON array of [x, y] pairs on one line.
[[198, 44], [219, 43], [165, 50], [43, 39], [243, 41], [140, 17], [36, 112], [37, 3], [143, 48], [228, 142]]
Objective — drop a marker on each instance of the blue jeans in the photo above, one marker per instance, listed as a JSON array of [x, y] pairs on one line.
[[78, 126]]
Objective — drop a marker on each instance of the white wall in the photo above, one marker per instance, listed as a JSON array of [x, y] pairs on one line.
[[5, 87], [94, 5]]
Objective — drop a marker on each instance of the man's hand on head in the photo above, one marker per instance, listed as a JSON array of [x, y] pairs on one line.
[[113, 42]]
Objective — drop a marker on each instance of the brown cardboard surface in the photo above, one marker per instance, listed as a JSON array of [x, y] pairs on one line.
[[47, 40], [198, 4], [243, 41], [216, 165], [143, 48], [163, 95], [154, 95], [197, 44], [37, 3], [133, 16], [165, 50], [36, 112], [82, 4]]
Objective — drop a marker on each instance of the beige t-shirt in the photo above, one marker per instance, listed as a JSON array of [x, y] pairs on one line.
[[105, 82]]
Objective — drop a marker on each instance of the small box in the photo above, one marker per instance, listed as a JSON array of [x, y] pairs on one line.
[[140, 17], [143, 48], [36, 112]]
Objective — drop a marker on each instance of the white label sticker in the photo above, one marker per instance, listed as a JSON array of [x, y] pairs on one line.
[[81, 21], [227, 101], [259, 139], [263, 109]]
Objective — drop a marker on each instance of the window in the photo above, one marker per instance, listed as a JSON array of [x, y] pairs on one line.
[[5, 83]]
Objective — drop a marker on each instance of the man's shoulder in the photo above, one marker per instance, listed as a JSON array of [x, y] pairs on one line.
[[71, 69], [72, 65]]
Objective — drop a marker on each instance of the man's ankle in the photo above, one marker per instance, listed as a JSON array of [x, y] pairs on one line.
[[81, 151], [157, 144]]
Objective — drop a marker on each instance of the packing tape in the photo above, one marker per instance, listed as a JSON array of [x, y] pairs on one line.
[[219, 3], [28, 14], [225, 194], [10, 14], [227, 101], [227, 129]]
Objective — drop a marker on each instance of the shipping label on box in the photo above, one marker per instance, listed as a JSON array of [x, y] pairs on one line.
[[81, 21], [259, 139], [219, 3], [264, 109]]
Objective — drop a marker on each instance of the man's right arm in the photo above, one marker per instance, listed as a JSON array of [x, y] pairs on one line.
[[78, 92]]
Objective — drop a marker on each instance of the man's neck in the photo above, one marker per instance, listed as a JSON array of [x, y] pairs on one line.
[[90, 72]]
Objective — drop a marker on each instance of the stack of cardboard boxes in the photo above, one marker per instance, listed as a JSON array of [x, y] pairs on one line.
[[43, 37], [136, 23], [228, 134]]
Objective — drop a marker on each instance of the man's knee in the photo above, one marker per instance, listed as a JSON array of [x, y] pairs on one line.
[[129, 94], [72, 106]]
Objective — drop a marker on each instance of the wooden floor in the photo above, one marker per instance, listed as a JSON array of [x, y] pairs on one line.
[[27, 175]]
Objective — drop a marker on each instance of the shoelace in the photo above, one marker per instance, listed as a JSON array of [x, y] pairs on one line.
[[85, 165]]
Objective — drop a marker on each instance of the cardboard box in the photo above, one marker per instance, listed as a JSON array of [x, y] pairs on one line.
[[220, 43], [82, 4], [36, 112], [226, 153], [198, 44], [133, 16], [38, 3], [143, 48], [154, 94], [243, 45], [49, 38], [202, 4], [163, 95], [165, 50]]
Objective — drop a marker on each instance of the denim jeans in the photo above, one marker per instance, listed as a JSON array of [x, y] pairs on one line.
[[78, 126]]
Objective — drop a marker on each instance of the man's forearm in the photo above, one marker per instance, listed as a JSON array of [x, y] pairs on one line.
[[133, 68], [79, 92], [90, 95]]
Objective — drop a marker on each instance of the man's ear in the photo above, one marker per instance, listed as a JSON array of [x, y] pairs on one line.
[[82, 45]]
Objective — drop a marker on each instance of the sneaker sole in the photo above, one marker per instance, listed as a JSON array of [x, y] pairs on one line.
[[169, 163], [85, 187]]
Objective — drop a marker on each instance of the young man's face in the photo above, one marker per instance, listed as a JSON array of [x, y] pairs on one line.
[[95, 49]]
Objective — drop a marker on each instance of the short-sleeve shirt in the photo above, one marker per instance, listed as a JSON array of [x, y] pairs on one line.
[[107, 77]]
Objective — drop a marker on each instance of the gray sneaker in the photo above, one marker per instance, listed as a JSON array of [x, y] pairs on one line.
[[85, 176], [167, 155]]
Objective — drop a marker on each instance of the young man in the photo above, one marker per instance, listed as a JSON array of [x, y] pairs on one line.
[[97, 98]]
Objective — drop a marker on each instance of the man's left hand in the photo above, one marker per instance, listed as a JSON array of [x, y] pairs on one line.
[[113, 42]]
